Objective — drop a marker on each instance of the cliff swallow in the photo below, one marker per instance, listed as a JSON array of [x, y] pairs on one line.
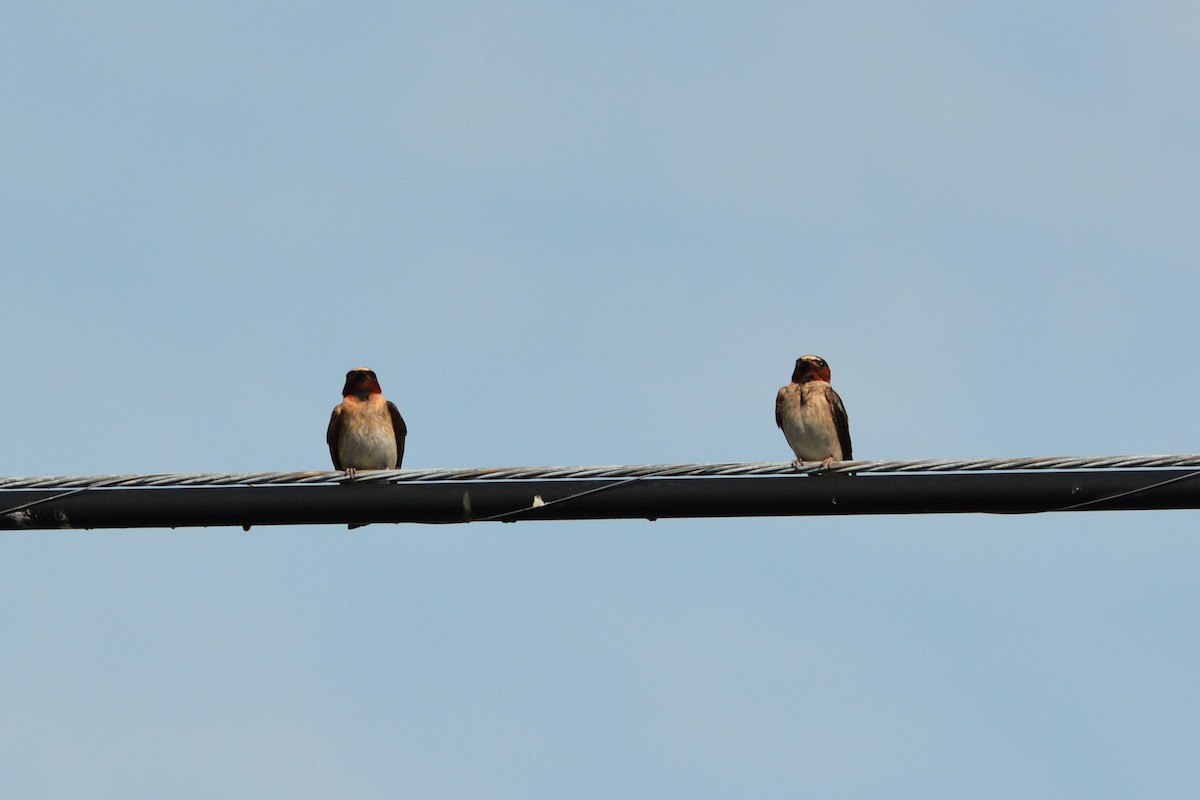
[[366, 430], [812, 416]]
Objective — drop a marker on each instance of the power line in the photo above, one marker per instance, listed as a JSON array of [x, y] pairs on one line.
[[1010, 486]]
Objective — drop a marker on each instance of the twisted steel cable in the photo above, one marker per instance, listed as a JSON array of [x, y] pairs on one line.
[[634, 472]]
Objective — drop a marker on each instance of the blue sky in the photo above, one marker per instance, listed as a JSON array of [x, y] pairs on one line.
[[599, 235]]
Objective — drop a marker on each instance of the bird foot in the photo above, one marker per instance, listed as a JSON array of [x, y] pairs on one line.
[[825, 464], [350, 473], [798, 465]]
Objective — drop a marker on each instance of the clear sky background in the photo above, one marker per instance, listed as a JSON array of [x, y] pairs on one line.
[[599, 234]]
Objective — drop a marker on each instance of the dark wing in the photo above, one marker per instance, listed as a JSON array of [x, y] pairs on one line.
[[841, 422], [400, 429], [779, 401], [332, 434]]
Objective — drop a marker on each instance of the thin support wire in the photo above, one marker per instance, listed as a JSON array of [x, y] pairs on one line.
[[735, 469]]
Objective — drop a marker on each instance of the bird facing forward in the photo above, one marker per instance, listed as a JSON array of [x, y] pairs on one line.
[[812, 416], [366, 430]]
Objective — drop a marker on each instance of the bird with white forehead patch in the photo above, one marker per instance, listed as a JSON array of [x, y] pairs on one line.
[[811, 415], [366, 430]]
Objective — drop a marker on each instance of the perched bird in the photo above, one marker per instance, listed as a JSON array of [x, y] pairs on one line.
[[812, 416], [366, 430]]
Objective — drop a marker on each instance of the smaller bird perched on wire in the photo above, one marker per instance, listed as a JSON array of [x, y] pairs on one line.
[[812, 416], [366, 430]]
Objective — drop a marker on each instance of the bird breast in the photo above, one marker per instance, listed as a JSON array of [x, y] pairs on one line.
[[367, 441], [807, 422]]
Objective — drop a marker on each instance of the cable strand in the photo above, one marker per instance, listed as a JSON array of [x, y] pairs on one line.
[[646, 471]]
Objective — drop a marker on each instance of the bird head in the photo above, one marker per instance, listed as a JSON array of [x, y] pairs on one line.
[[361, 381], [810, 368]]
